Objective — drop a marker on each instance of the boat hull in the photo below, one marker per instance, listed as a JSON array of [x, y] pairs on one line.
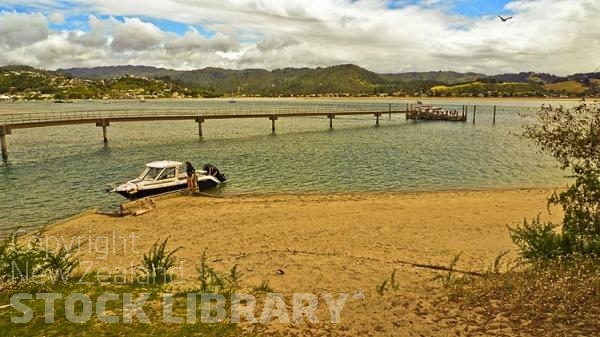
[[146, 192], [203, 185]]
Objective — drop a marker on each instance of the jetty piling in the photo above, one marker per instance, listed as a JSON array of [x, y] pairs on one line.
[[273, 118], [4, 130], [331, 117], [494, 118], [474, 112], [104, 123], [200, 120]]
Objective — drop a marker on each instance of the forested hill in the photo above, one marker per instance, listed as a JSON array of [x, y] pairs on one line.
[[349, 79], [340, 80]]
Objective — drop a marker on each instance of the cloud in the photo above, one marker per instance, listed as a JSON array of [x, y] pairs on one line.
[[276, 43], [559, 36], [18, 29], [192, 40], [134, 34], [56, 18]]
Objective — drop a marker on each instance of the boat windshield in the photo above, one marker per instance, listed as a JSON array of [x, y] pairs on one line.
[[150, 173], [168, 173]]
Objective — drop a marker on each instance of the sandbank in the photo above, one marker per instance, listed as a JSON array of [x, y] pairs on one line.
[[326, 243]]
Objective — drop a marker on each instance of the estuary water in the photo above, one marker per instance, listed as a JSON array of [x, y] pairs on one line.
[[55, 172]]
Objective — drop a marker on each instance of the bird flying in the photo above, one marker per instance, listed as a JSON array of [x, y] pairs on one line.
[[505, 19]]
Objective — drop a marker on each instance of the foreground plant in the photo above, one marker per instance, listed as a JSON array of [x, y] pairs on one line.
[[213, 281], [35, 267], [158, 261], [572, 136]]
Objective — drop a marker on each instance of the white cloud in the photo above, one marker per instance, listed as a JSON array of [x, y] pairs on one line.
[[57, 18], [133, 34], [18, 29], [559, 36], [193, 41]]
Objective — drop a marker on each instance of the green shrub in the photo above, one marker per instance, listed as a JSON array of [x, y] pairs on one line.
[[538, 240], [213, 281], [158, 261], [572, 136], [264, 286]]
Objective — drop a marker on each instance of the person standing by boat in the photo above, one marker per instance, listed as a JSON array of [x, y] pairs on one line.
[[192, 178]]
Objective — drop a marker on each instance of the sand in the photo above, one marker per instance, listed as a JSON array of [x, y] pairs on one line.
[[327, 243]]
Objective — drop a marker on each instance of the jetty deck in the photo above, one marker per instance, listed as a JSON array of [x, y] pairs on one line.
[[104, 118]]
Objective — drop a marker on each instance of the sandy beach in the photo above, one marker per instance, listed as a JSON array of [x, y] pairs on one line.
[[345, 243]]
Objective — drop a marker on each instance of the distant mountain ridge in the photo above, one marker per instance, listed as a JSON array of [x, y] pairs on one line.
[[341, 79], [107, 72], [210, 73]]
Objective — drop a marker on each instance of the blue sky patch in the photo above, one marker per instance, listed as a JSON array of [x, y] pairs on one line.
[[76, 22], [17, 9], [469, 8], [475, 8], [177, 27]]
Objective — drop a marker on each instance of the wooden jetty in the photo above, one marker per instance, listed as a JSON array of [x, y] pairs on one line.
[[104, 118]]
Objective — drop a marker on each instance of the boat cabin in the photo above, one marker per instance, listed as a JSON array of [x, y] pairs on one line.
[[162, 170]]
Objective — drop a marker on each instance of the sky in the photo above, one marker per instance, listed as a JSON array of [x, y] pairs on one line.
[[386, 36]]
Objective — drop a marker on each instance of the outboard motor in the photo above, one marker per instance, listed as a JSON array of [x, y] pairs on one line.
[[214, 171]]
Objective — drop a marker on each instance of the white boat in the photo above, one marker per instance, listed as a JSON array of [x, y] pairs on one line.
[[167, 176]]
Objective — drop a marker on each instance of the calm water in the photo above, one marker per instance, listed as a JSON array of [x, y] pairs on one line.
[[55, 172]]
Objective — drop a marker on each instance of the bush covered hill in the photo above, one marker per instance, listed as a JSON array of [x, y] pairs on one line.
[[341, 80]]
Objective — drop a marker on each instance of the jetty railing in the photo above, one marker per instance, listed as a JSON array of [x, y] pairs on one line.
[[16, 118], [103, 118]]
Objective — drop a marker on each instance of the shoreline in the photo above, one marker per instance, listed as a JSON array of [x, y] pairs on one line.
[[96, 210]]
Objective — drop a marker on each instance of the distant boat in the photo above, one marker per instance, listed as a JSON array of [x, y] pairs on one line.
[[232, 100]]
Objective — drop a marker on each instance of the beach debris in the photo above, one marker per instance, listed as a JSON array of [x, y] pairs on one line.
[[140, 212], [280, 272], [113, 213], [137, 207]]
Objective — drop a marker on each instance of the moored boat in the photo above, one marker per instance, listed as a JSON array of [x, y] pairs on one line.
[[167, 176]]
